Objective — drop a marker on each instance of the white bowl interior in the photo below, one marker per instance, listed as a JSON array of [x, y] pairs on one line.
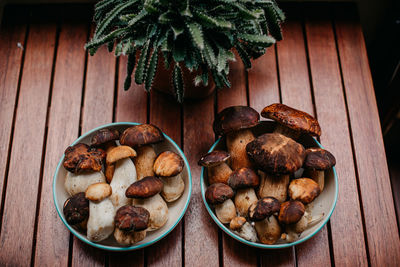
[[176, 209], [323, 204]]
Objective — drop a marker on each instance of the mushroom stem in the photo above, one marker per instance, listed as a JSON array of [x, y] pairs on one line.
[[173, 187], [286, 131], [219, 173], [268, 230], [225, 211], [293, 231], [76, 183], [236, 143], [247, 232], [128, 238], [318, 177], [144, 161], [124, 176], [273, 186], [244, 198], [157, 208], [101, 220]]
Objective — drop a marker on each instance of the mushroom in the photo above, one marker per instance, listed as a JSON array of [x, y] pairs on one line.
[[293, 231], [291, 122], [76, 209], [168, 166], [234, 122], [104, 136], [81, 157], [276, 156], [76, 183], [141, 137], [130, 224], [244, 180], [268, 230], [304, 190], [317, 161], [109, 168], [145, 194], [124, 173], [220, 196], [218, 171], [291, 212], [101, 212], [264, 208], [241, 227]]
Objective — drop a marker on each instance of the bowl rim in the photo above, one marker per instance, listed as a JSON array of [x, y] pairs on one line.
[[260, 245], [135, 247]]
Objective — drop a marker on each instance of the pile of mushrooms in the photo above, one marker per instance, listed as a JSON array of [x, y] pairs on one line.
[[118, 186], [262, 186]]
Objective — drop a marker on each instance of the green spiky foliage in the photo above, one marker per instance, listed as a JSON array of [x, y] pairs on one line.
[[200, 35]]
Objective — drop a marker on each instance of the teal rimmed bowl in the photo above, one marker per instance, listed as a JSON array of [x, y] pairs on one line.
[[176, 209], [324, 204]]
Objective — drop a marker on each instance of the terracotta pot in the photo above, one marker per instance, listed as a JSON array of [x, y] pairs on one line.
[[162, 82]]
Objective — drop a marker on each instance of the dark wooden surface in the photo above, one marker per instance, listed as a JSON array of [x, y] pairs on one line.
[[51, 91]]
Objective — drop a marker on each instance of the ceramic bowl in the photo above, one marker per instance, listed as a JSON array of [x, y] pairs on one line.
[[323, 204], [176, 209]]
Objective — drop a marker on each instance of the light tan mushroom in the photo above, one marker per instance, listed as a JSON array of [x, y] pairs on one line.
[[77, 183], [220, 196], [268, 230], [244, 229], [218, 171], [273, 186]]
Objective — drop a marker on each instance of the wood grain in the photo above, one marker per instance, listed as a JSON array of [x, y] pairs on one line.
[[296, 92], [12, 32], [26, 154], [234, 252], [63, 129], [263, 91], [131, 106], [201, 233], [97, 110], [165, 112], [379, 216], [346, 221]]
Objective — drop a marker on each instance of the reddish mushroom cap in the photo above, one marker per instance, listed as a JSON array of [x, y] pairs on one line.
[[218, 193], [319, 159], [235, 118], [214, 158], [140, 135], [243, 178], [81, 157]]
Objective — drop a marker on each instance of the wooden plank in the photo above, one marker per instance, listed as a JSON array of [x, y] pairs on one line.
[[131, 106], [295, 91], [379, 216], [234, 252], [346, 223], [16, 238], [165, 112], [63, 130], [264, 90], [97, 110], [12, 32], [201, 233]]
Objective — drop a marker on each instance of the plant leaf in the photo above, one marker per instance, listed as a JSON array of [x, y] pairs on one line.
[[129, 69], [196, 33], [177, 81], [151, 70], [264, 40], [140, 73]]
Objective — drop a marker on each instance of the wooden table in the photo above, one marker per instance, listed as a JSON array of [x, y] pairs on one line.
[[51, 92]]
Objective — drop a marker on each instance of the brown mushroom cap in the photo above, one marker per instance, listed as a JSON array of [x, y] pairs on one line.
[[218, 193], [144, 188], [263, 208], [214, 158], [291, 212], [292, 118], [81, 157], [276, 154], [304, 190], [103, 136], [237, 223], [76, 209], [119, 152], [319, 159], [168, 164], [139, 135], [243, 178], [235, 118], [130, 218]]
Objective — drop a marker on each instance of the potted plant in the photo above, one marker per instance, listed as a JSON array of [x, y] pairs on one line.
[[185, 43]]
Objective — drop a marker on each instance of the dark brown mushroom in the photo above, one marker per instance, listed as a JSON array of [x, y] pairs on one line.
[[104, 136], [218, 171], [291, 122], [76, 209], [168, 164], [81, 157], [218, 193], [243, 178], [234, 122], [316, 162], [291, 212], [276, 154], [139, 135], [144, 188], [304, 190], [130, 218], [264, 208]]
